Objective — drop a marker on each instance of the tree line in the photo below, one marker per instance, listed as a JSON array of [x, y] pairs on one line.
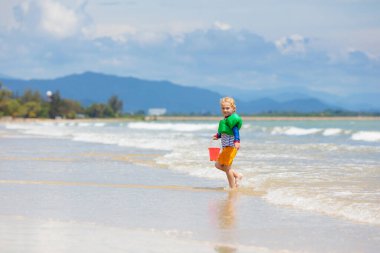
[[31, 104]]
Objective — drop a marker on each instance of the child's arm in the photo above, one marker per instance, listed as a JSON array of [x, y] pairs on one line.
[[217, 136], [235, 130]]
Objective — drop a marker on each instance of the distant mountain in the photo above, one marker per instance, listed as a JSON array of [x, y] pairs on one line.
[[296, 105], [138, 94], [355, 102]]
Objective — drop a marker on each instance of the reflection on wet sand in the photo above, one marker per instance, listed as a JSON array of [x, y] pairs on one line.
[[225, 249], [227, 222], [226, 215]]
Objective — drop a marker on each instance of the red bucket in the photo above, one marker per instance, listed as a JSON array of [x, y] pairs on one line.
[[214, 153]]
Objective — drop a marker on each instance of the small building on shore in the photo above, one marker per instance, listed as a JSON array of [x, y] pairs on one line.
[[153, 113], [156, 111]]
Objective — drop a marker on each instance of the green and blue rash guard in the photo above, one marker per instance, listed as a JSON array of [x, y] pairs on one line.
[[228, 130]]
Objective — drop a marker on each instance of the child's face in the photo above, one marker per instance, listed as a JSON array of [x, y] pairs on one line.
[[227, 109]]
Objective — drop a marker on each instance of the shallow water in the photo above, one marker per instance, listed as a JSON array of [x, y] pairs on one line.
[[69, 179], [330, 167]]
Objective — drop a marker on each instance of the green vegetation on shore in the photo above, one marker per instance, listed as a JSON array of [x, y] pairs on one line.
[[31, 104]]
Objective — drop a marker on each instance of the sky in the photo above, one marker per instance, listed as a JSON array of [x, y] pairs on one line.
[[330, 46]]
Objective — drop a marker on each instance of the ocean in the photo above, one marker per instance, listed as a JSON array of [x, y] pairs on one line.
[[326, 167]]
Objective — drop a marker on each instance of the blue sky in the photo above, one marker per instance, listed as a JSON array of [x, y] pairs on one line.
[[330, 46]]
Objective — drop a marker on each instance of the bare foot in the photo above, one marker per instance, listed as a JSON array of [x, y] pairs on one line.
[[238, 178]]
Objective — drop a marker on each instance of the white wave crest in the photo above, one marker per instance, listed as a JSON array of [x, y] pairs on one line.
[[366, 136], [332, 131], [296, 131], [49, 130], [180, 127]]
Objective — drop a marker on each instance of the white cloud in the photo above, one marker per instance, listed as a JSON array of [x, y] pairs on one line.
[[117, 32], [49, 17], [186, 52], [25, 6], [57, 19], [222, 26], [294, 43], [150, 38], [111, 62], [123, 33]]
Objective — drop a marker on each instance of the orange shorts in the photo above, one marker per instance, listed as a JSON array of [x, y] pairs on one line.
[[227, 156]]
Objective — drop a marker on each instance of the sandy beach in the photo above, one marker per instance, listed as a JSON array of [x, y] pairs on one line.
[[59, 195]]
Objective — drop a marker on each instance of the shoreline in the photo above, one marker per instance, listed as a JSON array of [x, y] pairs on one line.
[[191, 118], [264, 118]]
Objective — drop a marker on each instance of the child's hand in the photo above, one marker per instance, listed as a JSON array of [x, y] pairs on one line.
[[215, 137], [237, 145]]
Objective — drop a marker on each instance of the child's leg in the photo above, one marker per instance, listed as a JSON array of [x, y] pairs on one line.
[[230, 177], [227, 169], [218, 166], [238, 175]]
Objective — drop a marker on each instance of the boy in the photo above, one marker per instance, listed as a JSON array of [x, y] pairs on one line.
[[228, 131]]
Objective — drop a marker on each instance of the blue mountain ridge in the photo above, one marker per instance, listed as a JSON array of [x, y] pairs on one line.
[[138, 94], [358, 101]]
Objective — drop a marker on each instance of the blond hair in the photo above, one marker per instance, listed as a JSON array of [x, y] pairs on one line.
[[229, 100]]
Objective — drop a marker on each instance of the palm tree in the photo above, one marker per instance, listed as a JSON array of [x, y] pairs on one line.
[[116, 105]]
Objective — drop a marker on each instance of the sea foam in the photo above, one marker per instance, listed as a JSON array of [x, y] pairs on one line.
[[332, 131], [294, 131], [180, 127], [368, 136], [322, 203]]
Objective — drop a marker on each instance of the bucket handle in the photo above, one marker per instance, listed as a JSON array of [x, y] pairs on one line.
[[211, 143]]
